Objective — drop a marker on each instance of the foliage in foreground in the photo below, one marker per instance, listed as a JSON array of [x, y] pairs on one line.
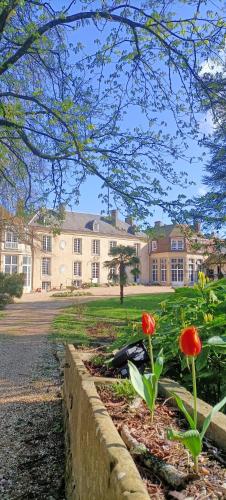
[[198, 307], [191, 346], [64, 103]]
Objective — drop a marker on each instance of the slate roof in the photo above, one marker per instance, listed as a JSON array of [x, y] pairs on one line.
[[82, 222], [165, 230]]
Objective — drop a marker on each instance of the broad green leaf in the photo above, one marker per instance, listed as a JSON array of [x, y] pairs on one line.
[[190, 439], [201, 360], [208, 419], [218, 343], [158, 365], [136, 380], [182, 408], [150, 389], [216, 340]]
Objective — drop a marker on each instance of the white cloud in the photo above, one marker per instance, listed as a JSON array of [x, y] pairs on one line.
[[213, 66], [202, 190], [206, 124]]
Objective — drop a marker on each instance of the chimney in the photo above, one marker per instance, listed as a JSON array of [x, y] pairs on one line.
[[158, 223], [114, 217], [129, 220]]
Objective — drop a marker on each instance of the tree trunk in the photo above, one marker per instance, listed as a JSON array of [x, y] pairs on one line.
[[121, 293], [121, 281]]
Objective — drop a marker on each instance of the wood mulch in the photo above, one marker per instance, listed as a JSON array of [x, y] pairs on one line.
[[211, 482]]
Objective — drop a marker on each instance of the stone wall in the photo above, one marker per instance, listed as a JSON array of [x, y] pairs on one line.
[[99, 467]]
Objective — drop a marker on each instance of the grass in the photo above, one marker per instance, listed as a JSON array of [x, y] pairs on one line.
[[86, 324]]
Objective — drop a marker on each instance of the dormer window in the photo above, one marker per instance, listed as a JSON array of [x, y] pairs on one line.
[[96, 226], [177, 244], [154, 245]]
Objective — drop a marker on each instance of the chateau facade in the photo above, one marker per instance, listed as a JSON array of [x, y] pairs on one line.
[[76, 253]]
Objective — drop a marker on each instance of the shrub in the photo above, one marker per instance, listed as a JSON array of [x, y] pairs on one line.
[[11, 285]]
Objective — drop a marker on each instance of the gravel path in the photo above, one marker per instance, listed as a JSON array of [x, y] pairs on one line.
[[31, 437]]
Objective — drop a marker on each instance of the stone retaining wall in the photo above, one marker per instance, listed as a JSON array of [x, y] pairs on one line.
[[99, 467]]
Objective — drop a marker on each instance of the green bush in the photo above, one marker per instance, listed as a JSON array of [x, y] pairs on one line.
[[11, 285], [203, 306]]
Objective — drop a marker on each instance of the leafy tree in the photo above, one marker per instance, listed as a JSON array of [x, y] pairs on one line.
[[63, 107], [123, 257], [211, 207]]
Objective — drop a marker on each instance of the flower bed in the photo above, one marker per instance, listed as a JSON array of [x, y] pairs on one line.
[[133, 423], [93, 440]]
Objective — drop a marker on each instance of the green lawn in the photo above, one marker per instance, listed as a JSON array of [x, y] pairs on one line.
[[84, 324]]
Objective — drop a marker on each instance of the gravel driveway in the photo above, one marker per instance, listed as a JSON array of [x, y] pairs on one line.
[[31, 437]]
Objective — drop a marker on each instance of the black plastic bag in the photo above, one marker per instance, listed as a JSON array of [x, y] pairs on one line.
[[136, 352]]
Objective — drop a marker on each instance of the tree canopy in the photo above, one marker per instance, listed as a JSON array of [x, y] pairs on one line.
[[211, 207], [67, 110]]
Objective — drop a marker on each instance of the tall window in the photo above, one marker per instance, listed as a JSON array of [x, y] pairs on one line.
[[47, 243], [177, 244], [95, 270], [27, 270], [96, 247], [177, 270], [11, 240], [11, 264], [46, 285], [46, 265], [163, 263], [137, 248], [77, 268], [112, 244], [154, 270], [78, 245], [180, 265], [154, 245], [191, 269]]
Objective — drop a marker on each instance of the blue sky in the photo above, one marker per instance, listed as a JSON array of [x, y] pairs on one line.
[[89, 201]]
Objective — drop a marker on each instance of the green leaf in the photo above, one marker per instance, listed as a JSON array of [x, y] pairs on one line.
[[190, 439], [201, 360], [150, 390], [217, 341], [136, 380], [182, 408], [208, 419], [158, 365]]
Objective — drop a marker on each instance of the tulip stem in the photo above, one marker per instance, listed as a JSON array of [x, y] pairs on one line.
[[151, 354], [194, 390]]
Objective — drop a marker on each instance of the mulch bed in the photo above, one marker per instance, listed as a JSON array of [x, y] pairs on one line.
[[100, 371], [211, 482]]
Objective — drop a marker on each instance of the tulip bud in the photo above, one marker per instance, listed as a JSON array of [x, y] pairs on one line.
[[148, 324], [189, 341]]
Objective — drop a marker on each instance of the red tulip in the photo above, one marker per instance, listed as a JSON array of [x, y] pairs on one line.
[[148, 324], [189, 341]]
